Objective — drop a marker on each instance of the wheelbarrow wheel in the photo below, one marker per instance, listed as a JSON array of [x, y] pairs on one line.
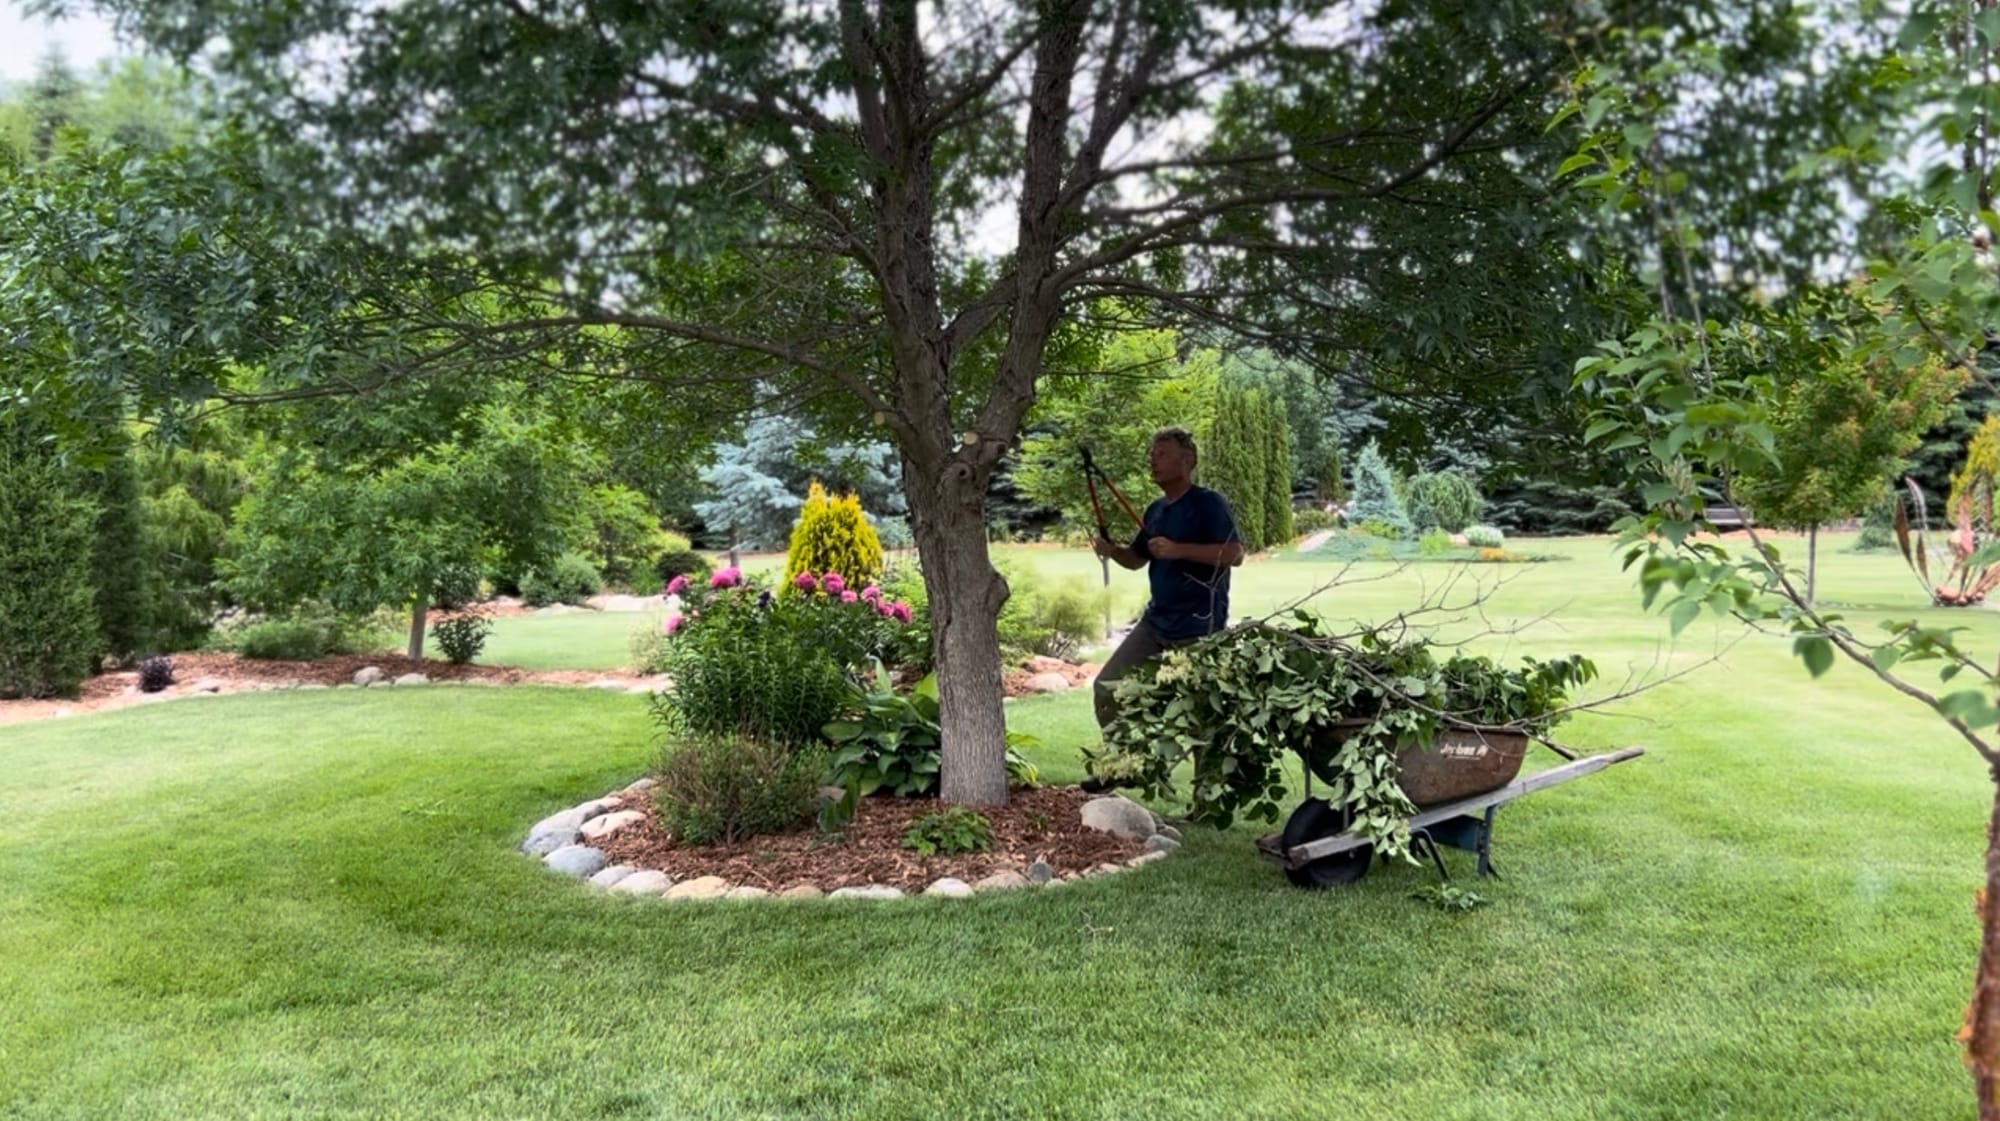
[[1315, 820]]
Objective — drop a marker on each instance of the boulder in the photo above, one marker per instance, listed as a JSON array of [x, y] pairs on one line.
[[570, 819], [650, 882], [1119, 815], [413, 679], [1161, 844], [704, 887], [548, 841], [1048, 683], [747, 891], [610, 876], [640, 786], [1146, 858], [1002, 881], [576, 860], [802, 891], [1170, 832], [950, 888], [598, 828], [868, 891], [367, 675], [1040, 872]]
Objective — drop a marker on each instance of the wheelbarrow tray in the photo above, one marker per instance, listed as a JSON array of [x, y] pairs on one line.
[[1450, 818]]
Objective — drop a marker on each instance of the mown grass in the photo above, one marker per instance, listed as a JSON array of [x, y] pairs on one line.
[[307, 905]]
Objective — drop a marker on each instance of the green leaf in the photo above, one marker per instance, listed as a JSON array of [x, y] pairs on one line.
[[1817, 652], [1683, 613], [1576, 162]]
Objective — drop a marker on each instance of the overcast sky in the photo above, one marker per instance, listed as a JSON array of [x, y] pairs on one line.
[[86, 39]]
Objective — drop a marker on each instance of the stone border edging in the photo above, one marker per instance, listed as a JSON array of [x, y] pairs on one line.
[[562, 842]]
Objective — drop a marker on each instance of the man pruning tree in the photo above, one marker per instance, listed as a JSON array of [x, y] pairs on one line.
[[1188, 541]]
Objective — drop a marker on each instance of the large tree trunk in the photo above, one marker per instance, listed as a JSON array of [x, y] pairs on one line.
[[419, 614], [1981, 1034], [948, 517]]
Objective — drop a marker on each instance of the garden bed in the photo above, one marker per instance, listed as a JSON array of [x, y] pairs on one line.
[[1040, 824]]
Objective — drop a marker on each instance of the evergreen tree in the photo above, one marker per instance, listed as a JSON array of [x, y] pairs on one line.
[[1277, 474], [1375, 495], [48, 620]]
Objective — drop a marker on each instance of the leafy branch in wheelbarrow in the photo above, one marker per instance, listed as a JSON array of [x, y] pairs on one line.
[[1351, 705]]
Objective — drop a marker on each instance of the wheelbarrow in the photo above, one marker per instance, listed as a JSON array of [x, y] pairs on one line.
[[1458, 784]]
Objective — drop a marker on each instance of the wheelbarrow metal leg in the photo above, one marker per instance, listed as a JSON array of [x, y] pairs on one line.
[[1486, 843]]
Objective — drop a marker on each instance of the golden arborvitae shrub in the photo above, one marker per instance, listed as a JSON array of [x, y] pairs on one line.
[[1975, 480], [832, 535]]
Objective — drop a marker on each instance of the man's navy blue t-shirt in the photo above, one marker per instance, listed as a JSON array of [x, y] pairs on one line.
[[1189, 599]]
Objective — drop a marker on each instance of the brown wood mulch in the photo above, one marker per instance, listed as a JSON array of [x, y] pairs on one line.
[[1038, 824]]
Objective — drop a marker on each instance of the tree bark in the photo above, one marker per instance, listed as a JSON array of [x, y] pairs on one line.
[[1981, 1034], [419, 614], [948, 518]]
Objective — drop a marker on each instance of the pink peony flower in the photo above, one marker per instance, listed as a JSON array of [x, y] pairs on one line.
[[834, 584], [726, 578], [672, 624], [677, 585], [804, 582], [872, 594], [848, 597], [901, 611]]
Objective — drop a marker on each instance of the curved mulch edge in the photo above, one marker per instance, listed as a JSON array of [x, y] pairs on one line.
[[236, 674], [1043, 824]]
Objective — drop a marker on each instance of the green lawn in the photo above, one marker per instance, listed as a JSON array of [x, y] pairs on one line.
[[307, 905]]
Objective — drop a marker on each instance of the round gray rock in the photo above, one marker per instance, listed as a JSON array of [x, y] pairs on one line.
[[610, 876], [1170, 833], [576, 860], [802, 891], [1048, 683], [1119, 815], [650, 882], [1145, 858], [747, 891], [703, 887], [1040, 873], [868, 891], [413, 679], [610, 823], [367, 675], [950, 888], [548, 841], [1161, 843], [1002, 881]]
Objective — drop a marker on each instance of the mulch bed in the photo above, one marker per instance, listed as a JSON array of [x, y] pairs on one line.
[[1040, 824]]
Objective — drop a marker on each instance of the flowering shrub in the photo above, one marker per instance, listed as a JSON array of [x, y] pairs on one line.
[[748, 662]]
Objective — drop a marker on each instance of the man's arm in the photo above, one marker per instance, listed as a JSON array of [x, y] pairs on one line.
[[1228, 554], [1125, 555]]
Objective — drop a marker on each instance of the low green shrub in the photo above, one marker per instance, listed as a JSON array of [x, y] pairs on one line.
[[749, 662], [723, 789], [646, 582], [1443, 500], [1484, 537], [1435, 543], [681, 561], [1312, 519], [571, 579], [461, 637], [1377, 527], [284, 640], [959, 829]]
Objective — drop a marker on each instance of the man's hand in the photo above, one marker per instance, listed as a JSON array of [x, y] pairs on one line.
[[1104, 547], [1164, 548]]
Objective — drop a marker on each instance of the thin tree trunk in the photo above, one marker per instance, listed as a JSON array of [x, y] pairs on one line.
[[965, 594], [1981, 1034], [419, 613], [1812, 562]]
